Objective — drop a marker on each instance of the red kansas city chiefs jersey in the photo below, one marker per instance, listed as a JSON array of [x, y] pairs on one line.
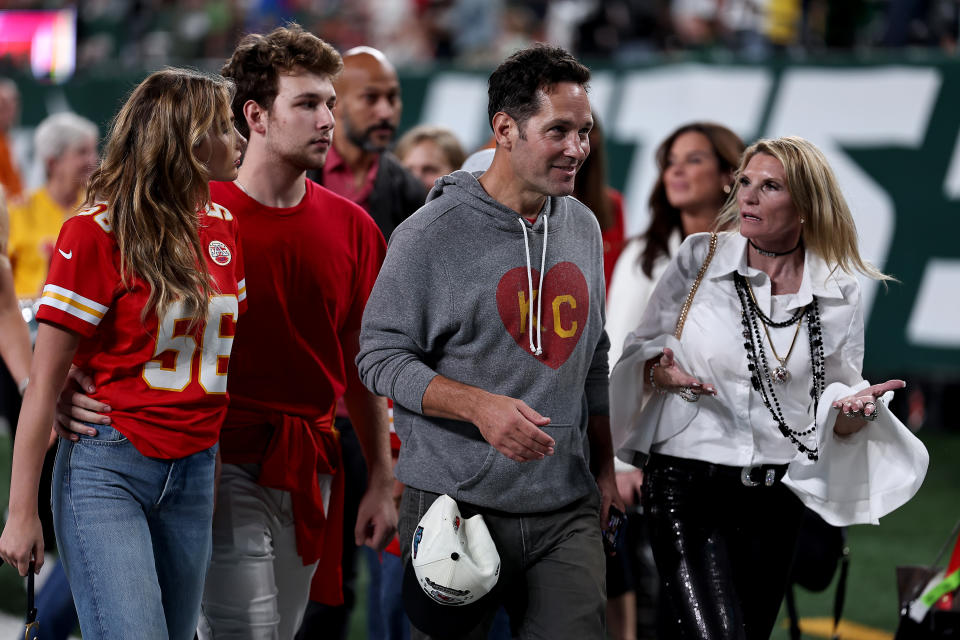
[[167, 384]]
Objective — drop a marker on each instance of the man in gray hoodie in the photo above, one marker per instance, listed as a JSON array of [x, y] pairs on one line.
[[485, 326]]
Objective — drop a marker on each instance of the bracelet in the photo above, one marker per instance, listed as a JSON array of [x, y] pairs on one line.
[[653, 384], [22, 387]]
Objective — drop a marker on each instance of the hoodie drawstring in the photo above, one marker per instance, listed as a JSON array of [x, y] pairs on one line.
[[537, 349]]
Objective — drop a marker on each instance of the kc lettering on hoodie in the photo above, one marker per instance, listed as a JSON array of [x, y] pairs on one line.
[[472, 291]]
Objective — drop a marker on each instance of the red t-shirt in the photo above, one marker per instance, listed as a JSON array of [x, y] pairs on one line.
[[311, 269], [167, 386]]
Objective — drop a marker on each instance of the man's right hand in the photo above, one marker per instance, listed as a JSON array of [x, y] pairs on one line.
[[508, 424], [513, 429], [75, 408]]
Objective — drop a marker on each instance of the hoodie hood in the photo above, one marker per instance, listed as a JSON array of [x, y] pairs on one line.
[[464, 187]]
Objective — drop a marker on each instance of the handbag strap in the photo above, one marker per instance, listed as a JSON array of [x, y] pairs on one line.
[[696, 285], [31, 607]]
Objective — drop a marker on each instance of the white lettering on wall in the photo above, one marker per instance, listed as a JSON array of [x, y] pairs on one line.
[[935, 319], [837, 108], [458, 101]]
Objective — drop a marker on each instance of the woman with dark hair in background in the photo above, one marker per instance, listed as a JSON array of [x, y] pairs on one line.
[[696, 165]]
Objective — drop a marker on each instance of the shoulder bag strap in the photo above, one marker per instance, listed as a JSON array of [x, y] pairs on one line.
[[696, 285]]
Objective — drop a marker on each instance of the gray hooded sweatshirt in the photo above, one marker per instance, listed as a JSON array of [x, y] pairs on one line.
[[454, 298]]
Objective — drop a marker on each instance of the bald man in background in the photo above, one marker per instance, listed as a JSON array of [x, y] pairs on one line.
[[361, 168]]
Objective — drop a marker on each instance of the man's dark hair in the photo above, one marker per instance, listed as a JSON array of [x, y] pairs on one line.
[[513, 86], [259, 60]]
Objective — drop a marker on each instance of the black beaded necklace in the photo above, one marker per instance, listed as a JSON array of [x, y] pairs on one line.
[[760, 370]]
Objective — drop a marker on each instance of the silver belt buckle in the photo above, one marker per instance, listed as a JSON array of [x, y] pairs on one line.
[[768, 479]]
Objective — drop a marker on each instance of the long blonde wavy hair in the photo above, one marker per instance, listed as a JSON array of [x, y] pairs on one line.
[[828, 227], [155, 185]]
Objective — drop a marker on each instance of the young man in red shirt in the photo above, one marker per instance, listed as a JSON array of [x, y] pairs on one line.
[[360, 167], [317, 256]]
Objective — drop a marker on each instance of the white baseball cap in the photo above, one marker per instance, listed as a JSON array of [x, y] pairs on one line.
[[453, 566], [455, 559]]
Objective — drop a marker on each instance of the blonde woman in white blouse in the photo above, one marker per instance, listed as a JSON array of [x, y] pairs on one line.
[[760, 406]]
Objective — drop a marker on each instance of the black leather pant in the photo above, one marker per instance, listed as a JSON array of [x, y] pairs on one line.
[[723, 549]]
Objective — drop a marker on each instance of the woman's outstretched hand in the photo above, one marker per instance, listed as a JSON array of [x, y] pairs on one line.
[[860, 408], [669, 377]]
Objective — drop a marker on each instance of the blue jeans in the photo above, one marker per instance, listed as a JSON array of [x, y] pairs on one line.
[[386, 619], [55, 611], [134, 536]]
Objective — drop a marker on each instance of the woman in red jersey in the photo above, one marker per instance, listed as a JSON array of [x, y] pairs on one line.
[[144, 290]]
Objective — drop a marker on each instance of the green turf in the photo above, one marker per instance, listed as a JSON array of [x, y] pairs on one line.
[[912, 535]]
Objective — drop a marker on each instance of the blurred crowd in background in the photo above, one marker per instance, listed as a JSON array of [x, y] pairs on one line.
[[135, 35], [150, 33]]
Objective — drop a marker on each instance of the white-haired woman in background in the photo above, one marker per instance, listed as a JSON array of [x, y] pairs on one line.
[[66, 144]]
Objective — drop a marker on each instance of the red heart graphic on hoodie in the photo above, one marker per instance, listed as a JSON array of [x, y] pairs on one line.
[[566, 303]]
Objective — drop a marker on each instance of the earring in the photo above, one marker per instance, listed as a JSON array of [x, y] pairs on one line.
[[727, 189], [802, 220]]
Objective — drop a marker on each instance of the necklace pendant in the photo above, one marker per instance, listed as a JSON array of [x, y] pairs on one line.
[[781, 375]]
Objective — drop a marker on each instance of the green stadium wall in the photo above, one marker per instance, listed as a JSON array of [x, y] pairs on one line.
[[889, 129]]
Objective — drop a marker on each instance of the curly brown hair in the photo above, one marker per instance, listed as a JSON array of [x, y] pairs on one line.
[[258, 61]]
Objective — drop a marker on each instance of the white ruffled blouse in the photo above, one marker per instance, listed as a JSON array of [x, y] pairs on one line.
[[857, 479]]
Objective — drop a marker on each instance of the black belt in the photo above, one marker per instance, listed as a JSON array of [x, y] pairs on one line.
[[762, 474]]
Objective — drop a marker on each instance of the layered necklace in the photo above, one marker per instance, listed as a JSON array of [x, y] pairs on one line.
[[765, 381], [780, 374]]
